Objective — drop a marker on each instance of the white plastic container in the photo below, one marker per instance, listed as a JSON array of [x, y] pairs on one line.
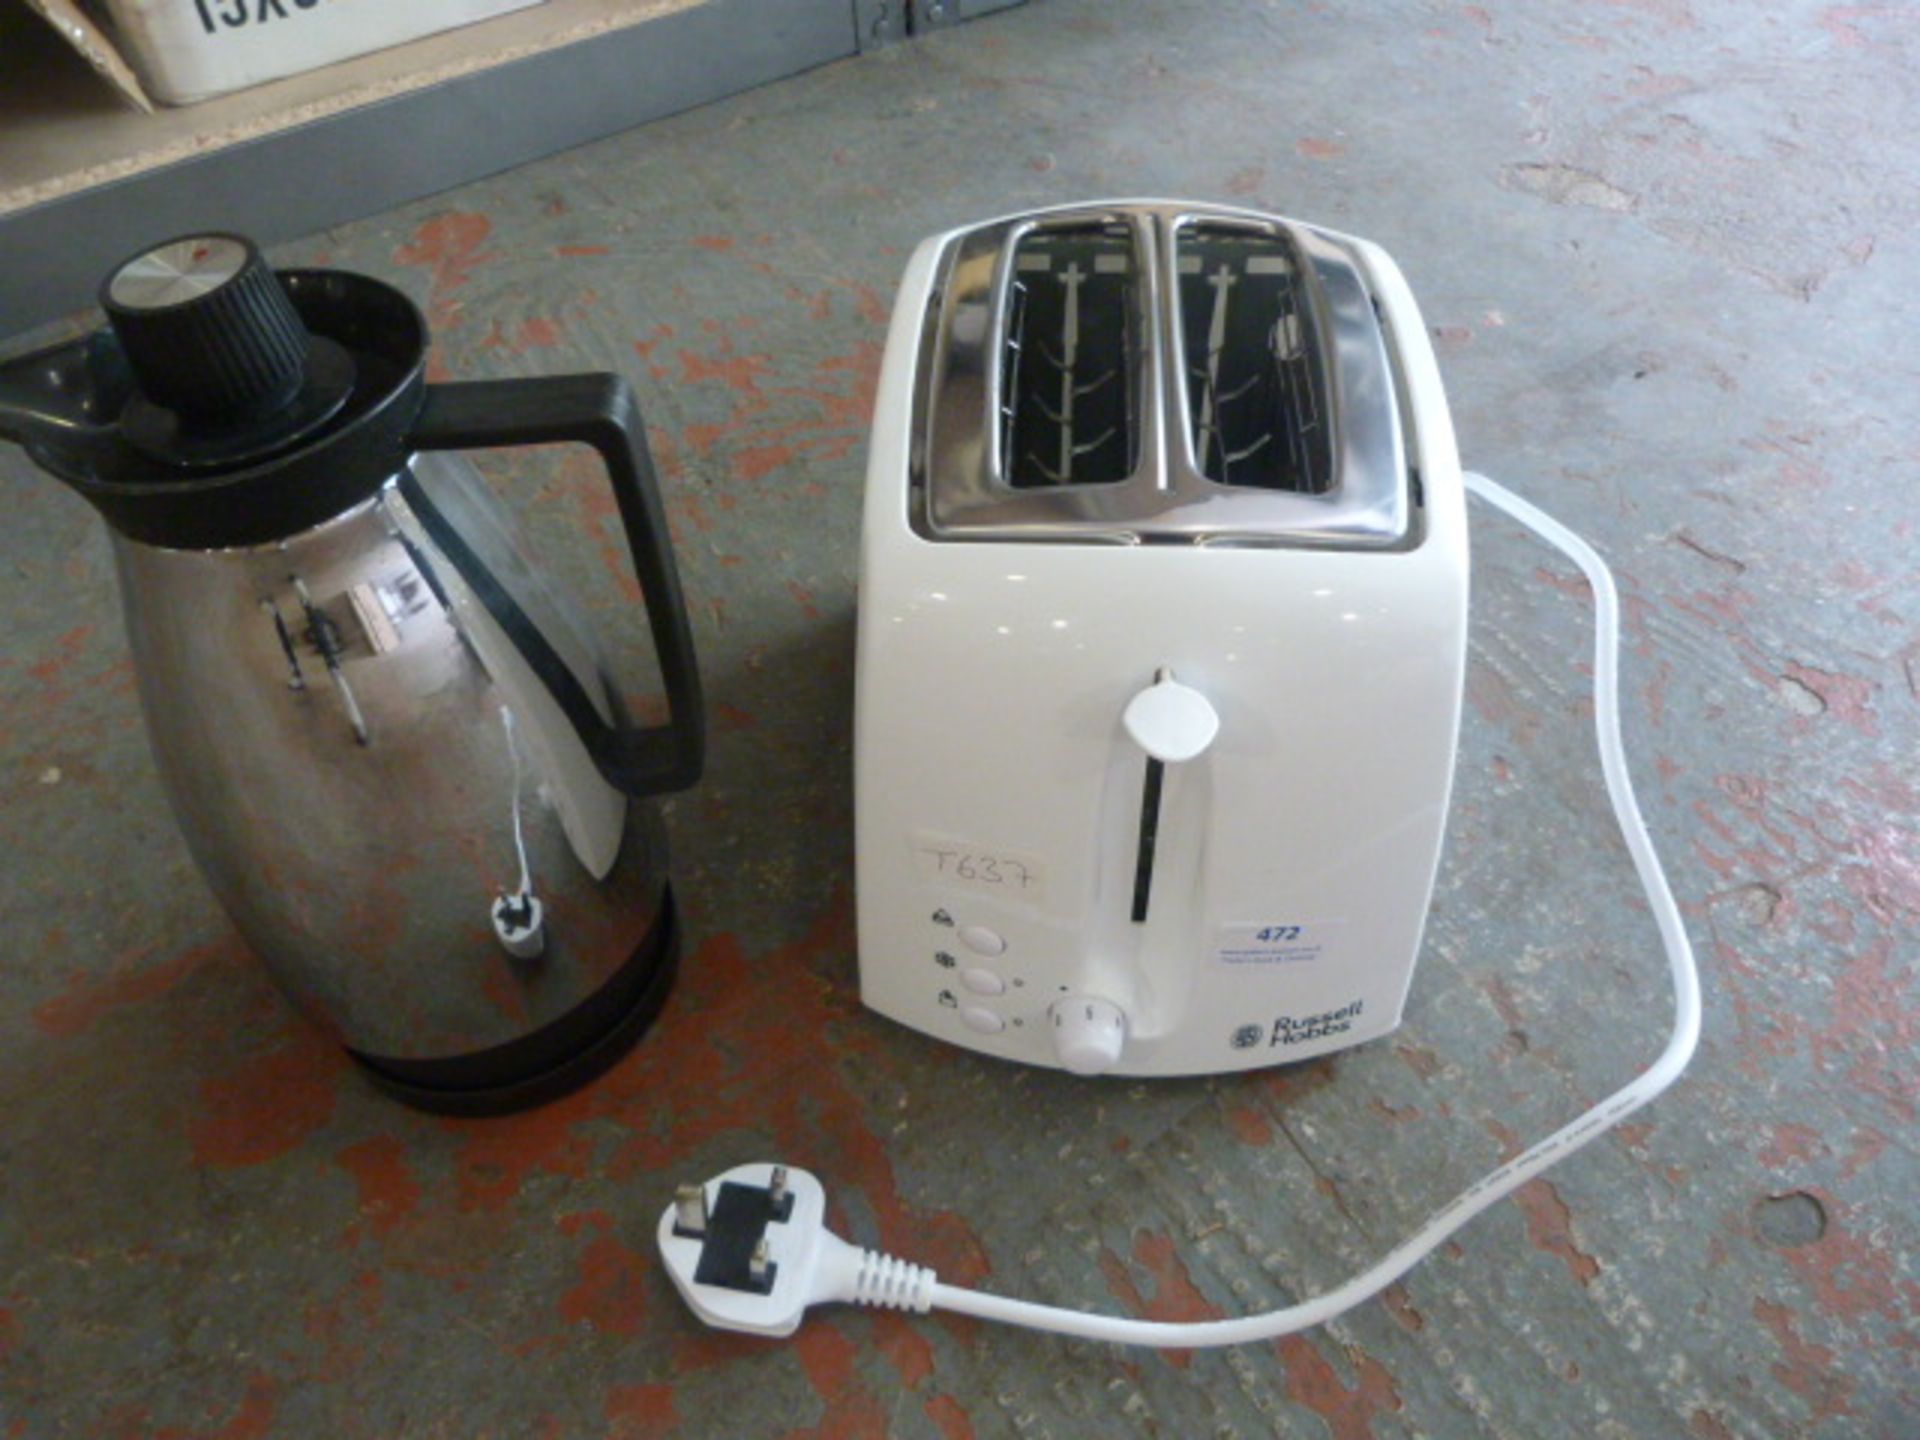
[[188, 50]]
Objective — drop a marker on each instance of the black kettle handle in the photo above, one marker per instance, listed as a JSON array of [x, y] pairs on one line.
[[597, 410]]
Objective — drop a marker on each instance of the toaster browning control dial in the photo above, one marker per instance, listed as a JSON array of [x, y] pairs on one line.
[[1088, 1033]]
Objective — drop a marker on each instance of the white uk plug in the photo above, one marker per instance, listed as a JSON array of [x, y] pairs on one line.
[[749, 1250]]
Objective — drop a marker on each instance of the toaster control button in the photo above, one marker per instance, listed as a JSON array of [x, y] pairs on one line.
[[981, 940], [1088, 1033], [983, 981], [978, 1017]]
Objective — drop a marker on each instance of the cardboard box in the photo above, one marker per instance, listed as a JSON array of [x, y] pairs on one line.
[[188, 50]]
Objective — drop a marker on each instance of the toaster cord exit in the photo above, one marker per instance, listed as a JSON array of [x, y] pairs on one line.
[[819, 1267]]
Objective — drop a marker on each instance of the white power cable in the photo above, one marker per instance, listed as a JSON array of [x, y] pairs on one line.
[[817, 1267], [519, 836], [1516, 1172]]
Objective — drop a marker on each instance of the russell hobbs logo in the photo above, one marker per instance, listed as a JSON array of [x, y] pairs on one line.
[[1299, 1029]]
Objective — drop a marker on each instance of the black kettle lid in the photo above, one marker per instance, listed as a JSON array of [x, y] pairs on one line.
[[227, 404]]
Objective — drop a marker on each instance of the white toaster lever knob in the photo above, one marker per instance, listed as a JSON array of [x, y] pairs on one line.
[[1088, 1033], [1171, 721]]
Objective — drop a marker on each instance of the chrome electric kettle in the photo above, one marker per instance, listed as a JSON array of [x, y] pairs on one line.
[[393, 750]]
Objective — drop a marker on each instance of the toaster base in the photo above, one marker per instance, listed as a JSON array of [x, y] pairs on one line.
[[1249, 1047]]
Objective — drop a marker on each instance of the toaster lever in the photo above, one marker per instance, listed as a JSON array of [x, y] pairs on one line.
[[1170, 721]]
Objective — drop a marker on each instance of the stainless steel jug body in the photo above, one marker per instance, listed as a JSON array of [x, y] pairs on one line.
[[391, 746], [360, 759]]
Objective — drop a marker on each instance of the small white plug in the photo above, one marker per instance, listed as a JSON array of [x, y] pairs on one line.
[[750, 1251], [520, 924]]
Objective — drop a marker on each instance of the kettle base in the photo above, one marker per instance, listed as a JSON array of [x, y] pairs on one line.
[[553, 1060]]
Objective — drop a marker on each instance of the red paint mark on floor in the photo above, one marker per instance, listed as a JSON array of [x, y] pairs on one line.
[[1421, 1061], [340, 1327], [731, 718], [1248, 1125], [580, 252], [689, 508], [1810, 1371], [1175, 1297], [851, 1411], [1573, 586], [739, 373], [388, 1191], [448, 247], [252, 1421], [1655, 692], [581, 479], [951, 1417], [1791, 1145], [1837, 21], [1888, 879], [755, 462], [1246, 179], [702, 1349], [1872, 1030], [610, 1295], [1313, 1382], [86, 999], [1865, 1149], [1852, 1273], [1315, 148], [646, 345], [1846, 697], [535, 333], [1550, 1228], [1674, 14], [719, 244], [9, 1333], [640, 1412], [267, 1105], [803, 597], [68, 648], [838, 394], [904, 1344], [499, 1154]]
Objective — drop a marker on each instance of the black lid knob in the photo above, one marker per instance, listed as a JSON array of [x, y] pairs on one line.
[[208, 330]]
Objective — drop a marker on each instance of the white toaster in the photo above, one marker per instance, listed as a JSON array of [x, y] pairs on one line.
[[1162, 628]]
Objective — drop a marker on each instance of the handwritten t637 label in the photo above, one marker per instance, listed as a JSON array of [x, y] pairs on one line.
[[1277, 942], [1013, 874]]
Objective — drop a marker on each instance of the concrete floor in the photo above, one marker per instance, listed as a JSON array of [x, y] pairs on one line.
[[1668, 251]]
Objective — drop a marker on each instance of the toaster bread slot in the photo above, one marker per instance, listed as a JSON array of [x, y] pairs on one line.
[[1257, 405], [1068, 364]]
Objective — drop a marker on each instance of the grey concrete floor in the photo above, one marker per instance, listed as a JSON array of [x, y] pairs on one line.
[[1668, 251]]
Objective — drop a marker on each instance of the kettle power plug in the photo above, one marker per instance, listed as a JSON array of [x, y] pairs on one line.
[[1162, 635]]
